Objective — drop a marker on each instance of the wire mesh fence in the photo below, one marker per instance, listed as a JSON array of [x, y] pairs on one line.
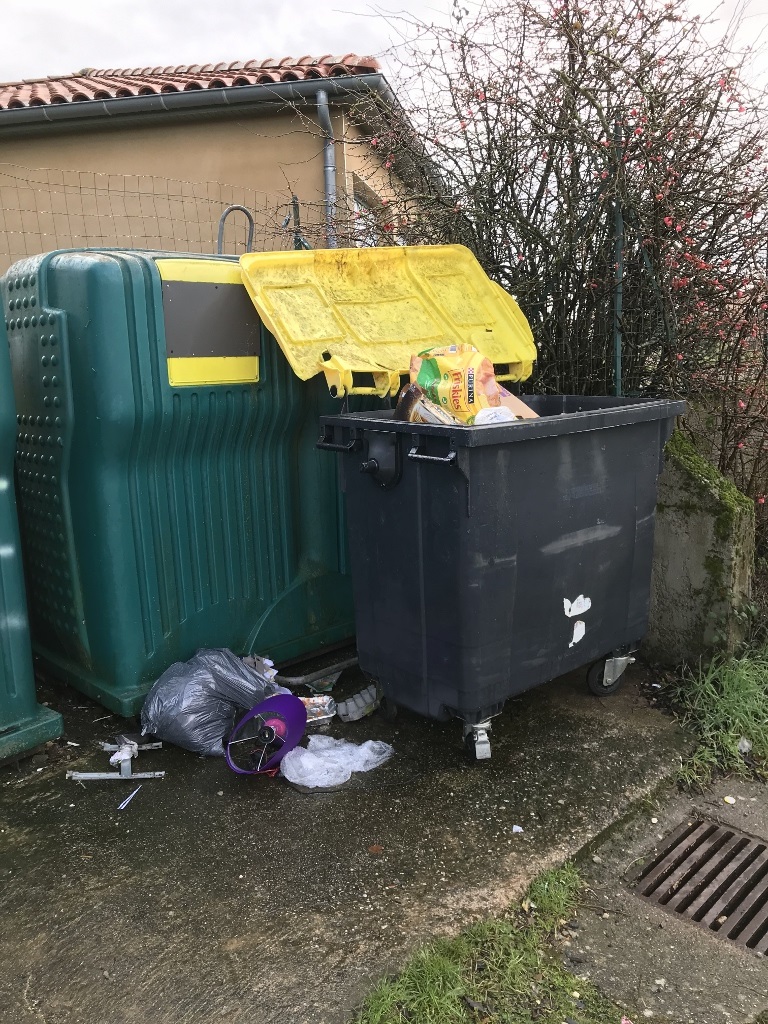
[[47, 208]]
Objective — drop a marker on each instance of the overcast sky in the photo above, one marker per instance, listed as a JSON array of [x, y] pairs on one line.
[[53, 37]]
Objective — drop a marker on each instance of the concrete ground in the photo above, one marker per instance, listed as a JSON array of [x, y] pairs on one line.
[[657, 965], [214, 897]]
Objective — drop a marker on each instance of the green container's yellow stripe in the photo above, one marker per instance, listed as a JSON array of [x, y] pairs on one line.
[[189, 371], [211, 327]]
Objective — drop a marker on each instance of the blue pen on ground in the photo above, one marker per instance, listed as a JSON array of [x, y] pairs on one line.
[[128, 799]]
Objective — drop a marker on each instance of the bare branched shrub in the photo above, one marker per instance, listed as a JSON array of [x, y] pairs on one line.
[[572, 145]]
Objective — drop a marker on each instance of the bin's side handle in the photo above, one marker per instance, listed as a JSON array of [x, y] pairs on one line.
[[331, 446], [414, 453]]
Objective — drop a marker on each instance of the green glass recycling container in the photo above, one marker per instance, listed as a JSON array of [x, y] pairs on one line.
[[171, 496]]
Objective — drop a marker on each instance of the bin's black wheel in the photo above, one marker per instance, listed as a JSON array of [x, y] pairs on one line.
[[388, 708], [477, 749], [595, 680]]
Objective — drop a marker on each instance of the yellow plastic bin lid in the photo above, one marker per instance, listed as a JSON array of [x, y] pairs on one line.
[[366, 311]]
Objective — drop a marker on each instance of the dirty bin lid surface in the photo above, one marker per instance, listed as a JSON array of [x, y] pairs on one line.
[[369, 310]]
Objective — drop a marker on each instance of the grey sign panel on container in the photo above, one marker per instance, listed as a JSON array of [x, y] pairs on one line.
[[204, 319]]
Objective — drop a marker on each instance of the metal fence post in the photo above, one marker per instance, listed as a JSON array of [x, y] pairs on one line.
[[618, 297]]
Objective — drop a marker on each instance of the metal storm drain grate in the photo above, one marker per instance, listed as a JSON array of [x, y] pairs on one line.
[[716, 877]]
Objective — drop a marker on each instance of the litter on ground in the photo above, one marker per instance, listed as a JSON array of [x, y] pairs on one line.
[[326, 762]]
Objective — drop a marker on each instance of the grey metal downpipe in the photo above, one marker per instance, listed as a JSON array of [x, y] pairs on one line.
[[329, 168]]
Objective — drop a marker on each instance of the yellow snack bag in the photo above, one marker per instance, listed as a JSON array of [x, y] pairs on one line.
[[457, 378]]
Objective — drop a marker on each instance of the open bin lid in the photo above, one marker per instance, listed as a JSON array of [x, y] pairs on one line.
[[366, 311]]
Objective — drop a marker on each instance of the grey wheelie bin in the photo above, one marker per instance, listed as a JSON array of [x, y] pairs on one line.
[[487, 560], [24, 724]]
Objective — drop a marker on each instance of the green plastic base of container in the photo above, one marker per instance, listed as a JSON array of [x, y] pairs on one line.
[[128, 703], [45, 725]]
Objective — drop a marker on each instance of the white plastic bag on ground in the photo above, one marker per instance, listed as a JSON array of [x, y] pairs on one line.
[[327, 762]]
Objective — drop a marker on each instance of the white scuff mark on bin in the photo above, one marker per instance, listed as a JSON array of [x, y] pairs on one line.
[[579, 629], [578, 607], [589, 535]]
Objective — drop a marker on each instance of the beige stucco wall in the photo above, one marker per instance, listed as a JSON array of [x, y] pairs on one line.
[[367, 175], [366, 162], [165, 185]]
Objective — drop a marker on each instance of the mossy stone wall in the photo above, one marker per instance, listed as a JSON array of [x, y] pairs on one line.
[[703, 559]]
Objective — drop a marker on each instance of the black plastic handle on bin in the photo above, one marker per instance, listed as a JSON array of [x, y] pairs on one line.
[[332, 446], [415, 453]]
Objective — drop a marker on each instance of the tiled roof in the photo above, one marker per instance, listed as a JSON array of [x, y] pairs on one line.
[[110, 83]]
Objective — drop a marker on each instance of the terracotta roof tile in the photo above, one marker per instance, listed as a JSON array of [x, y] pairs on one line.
[[109, 83]]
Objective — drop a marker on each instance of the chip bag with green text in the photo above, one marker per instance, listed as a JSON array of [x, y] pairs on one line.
[[457, 378]]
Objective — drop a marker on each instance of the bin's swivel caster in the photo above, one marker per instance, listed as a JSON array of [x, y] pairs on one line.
[[606, 675], [476, 741]]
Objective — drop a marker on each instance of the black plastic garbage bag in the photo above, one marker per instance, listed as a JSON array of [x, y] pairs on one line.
[[194, 703]]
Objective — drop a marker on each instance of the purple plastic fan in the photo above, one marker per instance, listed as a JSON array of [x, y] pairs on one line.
[[265, 735]]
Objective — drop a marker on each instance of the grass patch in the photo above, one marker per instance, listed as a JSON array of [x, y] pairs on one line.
[[724, 703], [502, 971]]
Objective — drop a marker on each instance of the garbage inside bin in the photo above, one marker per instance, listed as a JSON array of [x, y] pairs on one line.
[[456, 385], [499, 414], [414, 406], [516, 405], [456, 378], [487, 560], [194, 703]]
